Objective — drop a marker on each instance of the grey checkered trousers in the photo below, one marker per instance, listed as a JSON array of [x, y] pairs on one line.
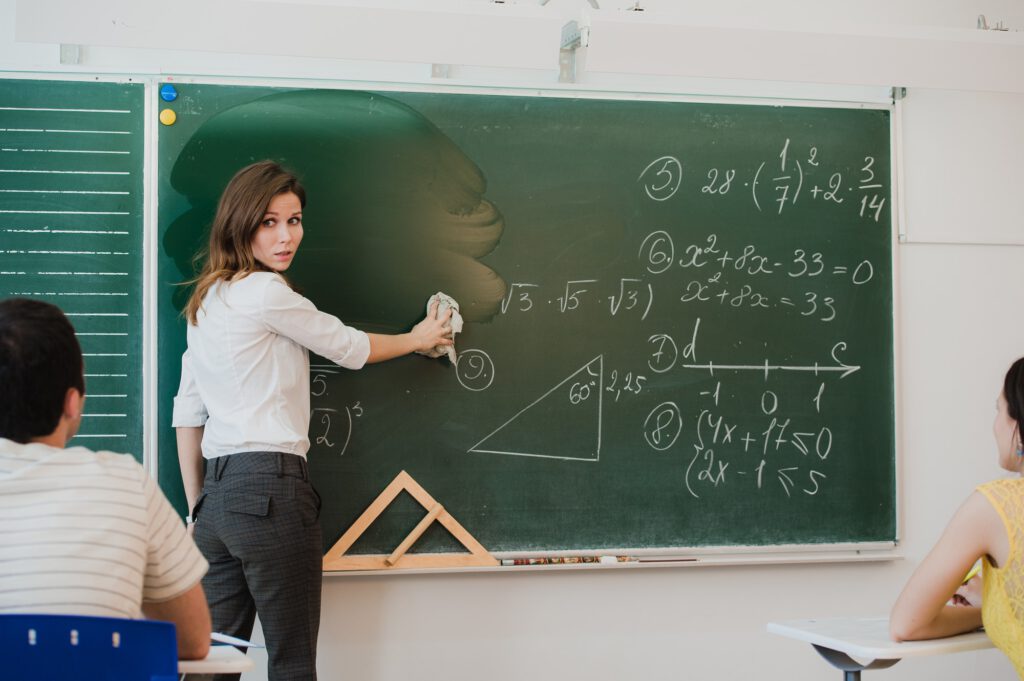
[[257, 525]]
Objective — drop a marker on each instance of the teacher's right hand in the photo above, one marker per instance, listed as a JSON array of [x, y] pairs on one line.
[[432, 331]]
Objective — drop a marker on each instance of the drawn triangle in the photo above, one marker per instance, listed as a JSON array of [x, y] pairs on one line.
[[572, 409], [335, 558]]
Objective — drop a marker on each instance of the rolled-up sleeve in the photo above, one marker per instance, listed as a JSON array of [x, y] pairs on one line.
[[289, 314], [189, 410]]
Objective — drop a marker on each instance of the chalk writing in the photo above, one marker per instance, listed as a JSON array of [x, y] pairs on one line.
[[691, 379]]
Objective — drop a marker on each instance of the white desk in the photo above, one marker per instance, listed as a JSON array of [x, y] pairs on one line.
[[221, 660], [841, 640]]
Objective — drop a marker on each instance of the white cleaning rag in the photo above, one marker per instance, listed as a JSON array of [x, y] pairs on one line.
[[444, 303]]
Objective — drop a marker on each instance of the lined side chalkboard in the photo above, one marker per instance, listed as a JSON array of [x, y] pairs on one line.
[[71, 227], [679, 315]]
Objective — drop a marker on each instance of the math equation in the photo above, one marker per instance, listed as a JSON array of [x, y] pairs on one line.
[[723, 331]]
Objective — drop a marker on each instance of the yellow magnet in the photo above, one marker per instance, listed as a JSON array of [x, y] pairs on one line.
[[167, 117]]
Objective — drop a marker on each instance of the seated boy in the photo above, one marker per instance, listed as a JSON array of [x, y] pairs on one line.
[[81, 532]]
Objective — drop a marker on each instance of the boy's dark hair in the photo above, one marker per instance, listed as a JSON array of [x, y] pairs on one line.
[[39, 360]]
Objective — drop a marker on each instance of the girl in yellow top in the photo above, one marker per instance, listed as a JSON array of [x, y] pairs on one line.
[[989, 526]]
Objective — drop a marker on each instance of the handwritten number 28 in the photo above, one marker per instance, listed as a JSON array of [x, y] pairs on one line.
[[723, 188]]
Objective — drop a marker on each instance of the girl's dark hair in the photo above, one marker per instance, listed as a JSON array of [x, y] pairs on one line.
[[239, 214], [39, 360], [1013, 393]]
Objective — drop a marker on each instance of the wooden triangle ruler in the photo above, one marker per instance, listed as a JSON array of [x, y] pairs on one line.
[[477, 556]]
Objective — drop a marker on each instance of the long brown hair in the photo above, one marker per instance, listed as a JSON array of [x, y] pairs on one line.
[[239, 213]]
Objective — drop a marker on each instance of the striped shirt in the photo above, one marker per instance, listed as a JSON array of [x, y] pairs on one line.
[[87, 533]]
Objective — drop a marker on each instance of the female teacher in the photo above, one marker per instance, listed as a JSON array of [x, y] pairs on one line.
[[243, 405]]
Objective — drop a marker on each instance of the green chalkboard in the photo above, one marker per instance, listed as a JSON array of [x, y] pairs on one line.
[[71, 226], [679, 316]]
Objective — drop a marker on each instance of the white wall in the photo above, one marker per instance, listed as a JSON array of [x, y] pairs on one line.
[[960, 325]]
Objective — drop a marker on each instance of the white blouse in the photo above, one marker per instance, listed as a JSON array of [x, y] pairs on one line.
[[245, 375]]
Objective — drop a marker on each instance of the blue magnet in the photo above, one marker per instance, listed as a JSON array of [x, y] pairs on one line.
[[168, 93]]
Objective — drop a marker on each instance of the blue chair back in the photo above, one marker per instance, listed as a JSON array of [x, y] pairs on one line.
[[65, 647]]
